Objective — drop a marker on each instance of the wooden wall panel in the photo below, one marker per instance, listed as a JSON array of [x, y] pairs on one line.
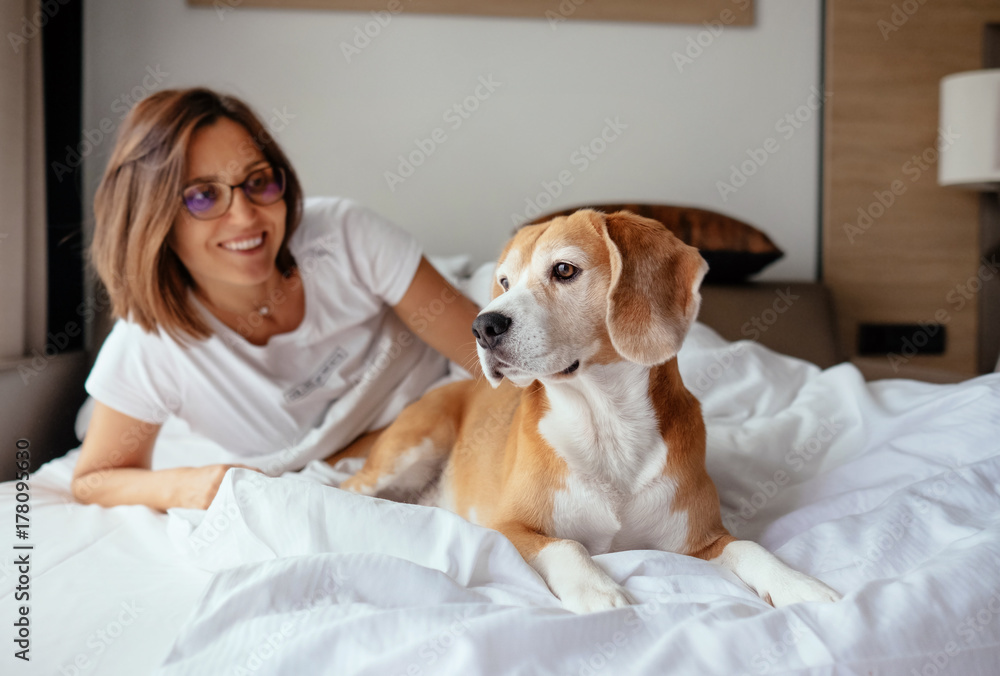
[[663, 11], [884, 63]]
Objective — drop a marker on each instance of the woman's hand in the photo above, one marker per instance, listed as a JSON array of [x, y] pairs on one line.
[[114, 468], [196, 487]]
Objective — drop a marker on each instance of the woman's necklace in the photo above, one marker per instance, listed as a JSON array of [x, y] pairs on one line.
[[262, 309]]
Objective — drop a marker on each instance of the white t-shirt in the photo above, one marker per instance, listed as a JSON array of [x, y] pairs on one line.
[[351, 366]]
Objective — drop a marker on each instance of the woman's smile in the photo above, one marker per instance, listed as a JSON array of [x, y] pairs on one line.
[[246, 244]]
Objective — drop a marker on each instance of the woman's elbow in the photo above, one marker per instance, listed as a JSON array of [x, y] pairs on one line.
[[83, 486]]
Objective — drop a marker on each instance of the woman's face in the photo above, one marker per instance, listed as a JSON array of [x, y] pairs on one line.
[[238, 248]]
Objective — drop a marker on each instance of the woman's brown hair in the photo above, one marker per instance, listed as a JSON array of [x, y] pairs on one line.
[[139, 199]]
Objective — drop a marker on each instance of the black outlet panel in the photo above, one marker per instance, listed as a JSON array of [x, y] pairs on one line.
[[906, 339]]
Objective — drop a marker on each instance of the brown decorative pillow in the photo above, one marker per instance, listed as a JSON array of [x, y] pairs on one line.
[[734, 250]]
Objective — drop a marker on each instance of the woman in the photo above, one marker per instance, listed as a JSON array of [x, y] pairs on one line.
[[280, 328]]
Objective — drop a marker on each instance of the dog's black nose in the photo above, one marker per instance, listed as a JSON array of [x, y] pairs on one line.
[[488, 328]]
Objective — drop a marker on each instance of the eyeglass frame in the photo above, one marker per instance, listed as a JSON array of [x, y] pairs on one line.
[[279, 172]]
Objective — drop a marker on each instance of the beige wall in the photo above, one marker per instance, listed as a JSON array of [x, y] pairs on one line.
[[346, 122]]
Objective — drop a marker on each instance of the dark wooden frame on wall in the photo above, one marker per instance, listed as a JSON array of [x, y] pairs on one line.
[[731, 12]]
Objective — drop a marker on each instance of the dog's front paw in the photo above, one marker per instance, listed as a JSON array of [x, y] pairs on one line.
[[770, 578], [596, 596], [357, 484], [797, 587], [576, 579]]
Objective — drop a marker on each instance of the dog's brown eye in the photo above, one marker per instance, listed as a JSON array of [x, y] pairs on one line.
[[503, 283], [564, 271]]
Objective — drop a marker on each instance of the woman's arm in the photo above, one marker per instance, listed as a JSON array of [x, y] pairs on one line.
[[114, 468], [441, 316]]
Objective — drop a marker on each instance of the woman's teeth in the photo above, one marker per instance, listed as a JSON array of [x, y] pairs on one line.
[[244, 244]]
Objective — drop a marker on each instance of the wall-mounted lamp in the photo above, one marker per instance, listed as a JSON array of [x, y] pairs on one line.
[[970, 108]]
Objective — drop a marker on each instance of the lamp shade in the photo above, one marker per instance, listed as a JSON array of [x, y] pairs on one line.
[[970, 108]]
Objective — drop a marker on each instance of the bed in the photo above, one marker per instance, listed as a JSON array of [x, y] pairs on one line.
[[888, 491]]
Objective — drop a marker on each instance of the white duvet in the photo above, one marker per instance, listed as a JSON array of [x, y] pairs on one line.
[[889, 492]]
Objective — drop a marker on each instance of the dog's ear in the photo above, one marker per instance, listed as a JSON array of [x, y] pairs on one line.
[[653, 295]]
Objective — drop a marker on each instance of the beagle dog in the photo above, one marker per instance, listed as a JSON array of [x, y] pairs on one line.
[[581, 439]]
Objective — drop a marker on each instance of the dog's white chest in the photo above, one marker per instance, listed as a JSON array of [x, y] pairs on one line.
[[616, 496], [604, 519]]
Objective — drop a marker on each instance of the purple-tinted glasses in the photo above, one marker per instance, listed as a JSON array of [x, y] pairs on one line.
[[206, 201]]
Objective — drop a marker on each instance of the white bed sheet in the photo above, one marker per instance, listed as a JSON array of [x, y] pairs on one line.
[[887, 491]]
